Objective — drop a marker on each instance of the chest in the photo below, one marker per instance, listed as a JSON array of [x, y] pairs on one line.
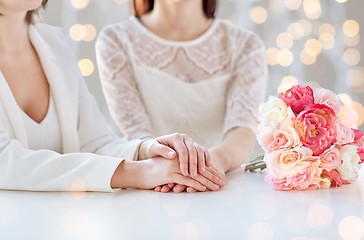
[[25, 76]]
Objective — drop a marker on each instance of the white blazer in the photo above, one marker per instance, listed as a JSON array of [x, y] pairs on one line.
[[91, 152]]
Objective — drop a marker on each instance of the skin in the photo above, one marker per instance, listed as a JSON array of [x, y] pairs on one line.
[[184, 20], [164, 155]]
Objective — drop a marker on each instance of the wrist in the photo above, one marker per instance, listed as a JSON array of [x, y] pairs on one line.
[[220, 159], [128, 175]]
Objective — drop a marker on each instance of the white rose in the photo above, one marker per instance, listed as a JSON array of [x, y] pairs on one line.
[[324, 96], [275, 113], [350, 162]]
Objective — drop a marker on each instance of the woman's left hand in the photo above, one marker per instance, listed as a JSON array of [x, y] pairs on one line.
[[193, 158]]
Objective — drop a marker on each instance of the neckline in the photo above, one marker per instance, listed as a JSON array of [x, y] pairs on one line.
[[197, 40], [50, 106]]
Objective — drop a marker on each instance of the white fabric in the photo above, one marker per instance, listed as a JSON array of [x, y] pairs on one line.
[[47, 133], [203, 87], [85, 134]]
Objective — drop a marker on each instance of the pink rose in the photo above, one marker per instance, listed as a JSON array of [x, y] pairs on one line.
[[288, 162], [359, 141], [316, 127], [301, 180], [334, 176], [344, 134], [273, 139], [298, 97], [330, 159], [324, 96]]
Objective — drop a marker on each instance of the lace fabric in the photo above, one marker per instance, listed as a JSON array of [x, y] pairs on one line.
[[129, 57]]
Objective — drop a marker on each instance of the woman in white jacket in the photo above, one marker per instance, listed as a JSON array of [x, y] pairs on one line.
[[51, 131]]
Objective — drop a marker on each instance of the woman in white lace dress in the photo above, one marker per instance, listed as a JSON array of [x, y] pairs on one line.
[[175, 68]]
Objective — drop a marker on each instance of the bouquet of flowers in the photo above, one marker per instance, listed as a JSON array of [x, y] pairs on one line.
[[310, 140]]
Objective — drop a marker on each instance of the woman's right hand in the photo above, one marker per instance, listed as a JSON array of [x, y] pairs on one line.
[[150, 173]]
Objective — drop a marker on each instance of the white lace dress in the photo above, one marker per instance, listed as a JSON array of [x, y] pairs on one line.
[[203, 87]]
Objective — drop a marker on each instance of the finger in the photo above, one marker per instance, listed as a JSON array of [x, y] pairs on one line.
[[179, 188], [214, 171], [208, 158], [182, 153], [213, 178], [158, 149], [200, 159], [171, 185], [183, 180], [165, 189], [158, 188], [191, 190], [207, 183], [192, 157]]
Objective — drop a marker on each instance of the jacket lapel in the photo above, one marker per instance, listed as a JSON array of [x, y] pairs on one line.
[[12, 111], [54, 73]]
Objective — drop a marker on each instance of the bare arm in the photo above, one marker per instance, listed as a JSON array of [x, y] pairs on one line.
[[237, 147]]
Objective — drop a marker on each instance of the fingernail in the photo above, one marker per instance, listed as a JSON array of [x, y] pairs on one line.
[[178, 188], [202, 169], [186, 172], [170, 154], [216, 187], [194, 173]]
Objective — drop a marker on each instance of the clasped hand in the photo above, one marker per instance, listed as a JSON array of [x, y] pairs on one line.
[[176, 162]]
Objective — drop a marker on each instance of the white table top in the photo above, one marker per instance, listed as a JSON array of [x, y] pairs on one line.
[[246, 208]]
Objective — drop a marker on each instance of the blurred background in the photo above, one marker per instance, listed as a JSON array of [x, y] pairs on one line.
[[310, 42]]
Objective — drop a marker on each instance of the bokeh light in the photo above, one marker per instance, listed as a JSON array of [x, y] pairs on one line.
[[351, 56], [284, 40], [86, 66], [259, 15], [313, 47], [77, 32], [286, 83], [90, 32], [285, 57], [327, 40], [307, 26], [352, 41], [351, 228], [79, 4], [313, 84], [296, 30], [307, 58], [272, 56], [312, 8], [359, 109], [293, 4], [351, 28], [355, 80]]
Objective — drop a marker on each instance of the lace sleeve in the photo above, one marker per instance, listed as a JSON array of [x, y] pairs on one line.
[[247, 87], [119, 86]]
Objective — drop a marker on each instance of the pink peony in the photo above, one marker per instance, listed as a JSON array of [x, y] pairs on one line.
[[330, 158], [334, 176], [359, 141], [324, 96], [316, 127], [344, 134], [299, 181], [273, 139], [298, 97]]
